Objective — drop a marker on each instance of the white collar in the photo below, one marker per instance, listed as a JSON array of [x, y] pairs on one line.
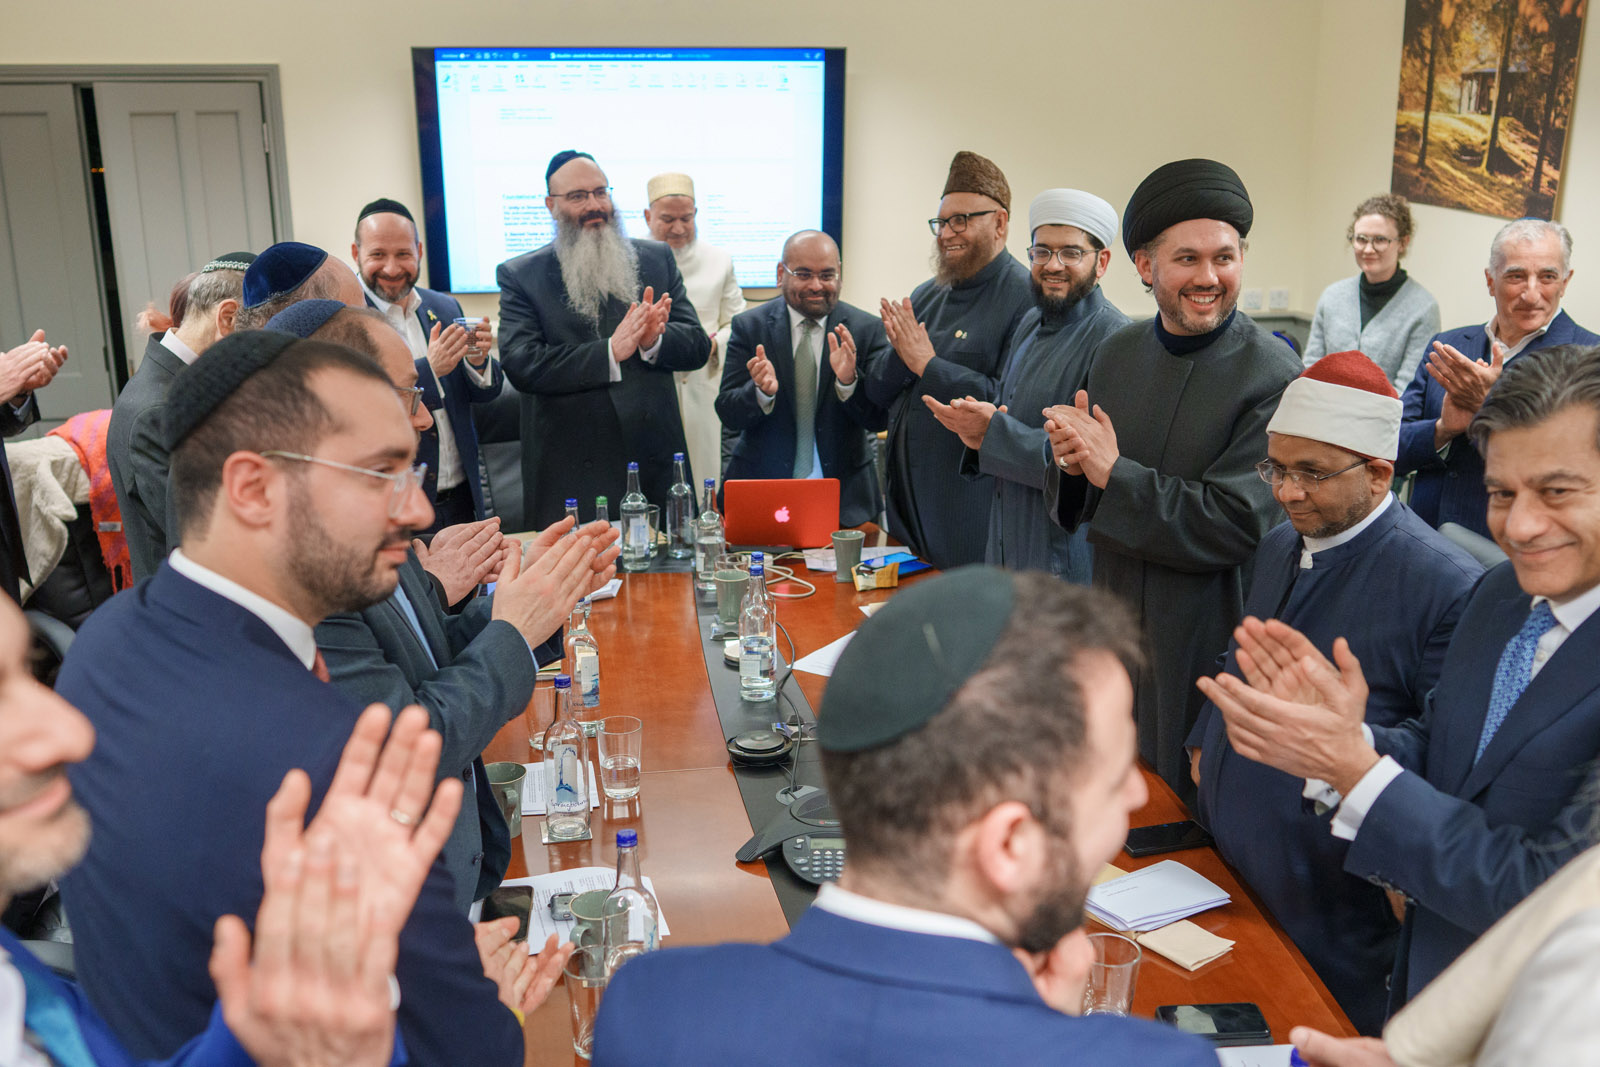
[[796, 318], [170, 342], [14, 1049], [1516, 349], [1313, 545], [413, 301], [848, 905], [1573, 613], [291, 630]]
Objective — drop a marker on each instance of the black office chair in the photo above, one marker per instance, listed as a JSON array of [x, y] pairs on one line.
[[499, 426]]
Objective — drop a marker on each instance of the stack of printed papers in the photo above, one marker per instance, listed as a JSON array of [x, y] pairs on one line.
[[1153, 897]]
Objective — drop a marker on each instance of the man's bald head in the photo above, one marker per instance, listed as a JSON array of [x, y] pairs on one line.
[[811, 240]]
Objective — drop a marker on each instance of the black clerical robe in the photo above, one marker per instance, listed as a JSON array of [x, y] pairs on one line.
[[580, 430], [1183, 510], [932, 508]]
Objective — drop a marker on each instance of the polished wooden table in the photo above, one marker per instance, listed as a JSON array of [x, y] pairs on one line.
[[691, 820]]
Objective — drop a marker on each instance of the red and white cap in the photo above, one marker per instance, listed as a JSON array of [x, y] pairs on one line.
[[1343, 399]]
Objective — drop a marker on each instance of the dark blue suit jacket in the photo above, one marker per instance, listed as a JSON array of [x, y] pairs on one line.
[[200, 711], [461, 392], [1450, 488], [836, 991], [484, 678], [766, 443], [1467, 842], [215, 1047]]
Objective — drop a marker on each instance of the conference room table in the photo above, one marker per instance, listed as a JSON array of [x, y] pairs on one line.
[[691, 820]]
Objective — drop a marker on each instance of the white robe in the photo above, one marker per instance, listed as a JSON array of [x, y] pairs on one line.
[[708, 278]]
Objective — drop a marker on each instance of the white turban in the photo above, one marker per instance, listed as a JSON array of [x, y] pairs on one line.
[[1073, 207]]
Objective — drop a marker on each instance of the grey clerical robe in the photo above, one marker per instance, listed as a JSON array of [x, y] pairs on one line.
[[939, 514], [1183, 509], [1047, 364]]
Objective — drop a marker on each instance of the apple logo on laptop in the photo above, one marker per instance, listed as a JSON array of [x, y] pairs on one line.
[[782, 514]]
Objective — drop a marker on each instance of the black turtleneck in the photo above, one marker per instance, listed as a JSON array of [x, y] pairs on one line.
[[1375, 295], [1183, 344]]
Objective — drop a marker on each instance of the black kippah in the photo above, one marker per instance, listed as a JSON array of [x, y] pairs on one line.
[[561, 159], [239, 261], [1183, 190], [212, 378], [907, 661], [305, 317], [384, 206]]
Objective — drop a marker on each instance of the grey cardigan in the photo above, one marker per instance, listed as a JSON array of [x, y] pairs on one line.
[[1395, 339]]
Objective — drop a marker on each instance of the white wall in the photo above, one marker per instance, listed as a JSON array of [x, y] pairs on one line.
[[1297, 95]]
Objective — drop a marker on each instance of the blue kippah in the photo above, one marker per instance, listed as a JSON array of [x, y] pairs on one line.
[[280, 269], [212, 378], [305, 317], [907, 661]]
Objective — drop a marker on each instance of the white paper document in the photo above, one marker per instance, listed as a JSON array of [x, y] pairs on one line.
[[576, 880], [607, 591], [533, 789], [1153, 897], [1255, 1056], [822, 660], [821, 559]]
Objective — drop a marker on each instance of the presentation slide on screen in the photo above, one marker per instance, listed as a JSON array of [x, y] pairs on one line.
[[746, 124]]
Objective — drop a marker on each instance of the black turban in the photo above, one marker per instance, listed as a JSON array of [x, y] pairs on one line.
[[1184, 190], [561, 159], [214, 377]]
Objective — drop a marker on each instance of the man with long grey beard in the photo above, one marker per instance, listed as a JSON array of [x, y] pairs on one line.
[[592, 325]]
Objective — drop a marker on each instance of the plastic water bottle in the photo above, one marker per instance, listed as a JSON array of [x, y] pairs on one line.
[[758, 639], [602, 510], [631, 915], [583, 660], [680, 512], [572, 513], [708, 542], [566, 770], [636, 544]]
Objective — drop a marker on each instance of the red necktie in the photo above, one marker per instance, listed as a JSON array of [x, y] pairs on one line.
[[319, 667]]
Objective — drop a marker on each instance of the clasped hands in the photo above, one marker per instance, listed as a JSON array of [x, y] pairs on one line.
[[967, 417], [539, 586], [1465, 382], [448, 344], [29, 366], [1293, 709], [642, 326], [841, 357], [907, 336], [1082, 439]]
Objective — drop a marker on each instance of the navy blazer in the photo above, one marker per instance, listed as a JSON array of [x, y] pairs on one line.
[[136, 452], [1450, 488], [580, 430], [837, 991], [200, 711], [478, 677], [1468, 841], [765, 445], [461, 392]]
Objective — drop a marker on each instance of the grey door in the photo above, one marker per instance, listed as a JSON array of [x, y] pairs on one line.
[[48, 276], [186, 180]]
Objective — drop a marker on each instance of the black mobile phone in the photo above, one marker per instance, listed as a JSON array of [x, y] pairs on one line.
[[1220, 1024], [510, 900], [1166, 837]]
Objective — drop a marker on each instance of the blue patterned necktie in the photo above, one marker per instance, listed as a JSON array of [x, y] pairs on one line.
[[1515, 670], [50, 1020]]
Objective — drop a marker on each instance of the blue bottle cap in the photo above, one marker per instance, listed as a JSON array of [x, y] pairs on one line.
[[757, 557], [632, 467], [711, 483], [627, 838], [572, 501], [757, 571], [677, 457], [563, 681]]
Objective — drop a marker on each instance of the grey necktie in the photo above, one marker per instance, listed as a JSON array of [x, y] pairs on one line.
[[805, 399]]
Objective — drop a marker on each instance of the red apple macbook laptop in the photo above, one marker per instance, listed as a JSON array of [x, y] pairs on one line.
[[800, 512]]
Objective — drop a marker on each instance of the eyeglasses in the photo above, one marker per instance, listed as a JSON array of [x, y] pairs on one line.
[[806, 277], [1070, 256], [410, 398], [581, 196], [1274, 474], [1377, 243], [403, 481], [957, 223]]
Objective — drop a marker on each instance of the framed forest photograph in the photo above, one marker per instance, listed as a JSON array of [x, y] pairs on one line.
[[1485, 103]]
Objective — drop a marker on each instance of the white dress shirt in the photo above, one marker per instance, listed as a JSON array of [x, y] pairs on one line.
[[14, 1048], [820, 351], [1569, 614], [404, 318], [848, 905], [292, 630], [170, 342]]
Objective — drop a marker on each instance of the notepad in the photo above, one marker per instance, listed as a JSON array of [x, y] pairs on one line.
[[1153, 897]]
